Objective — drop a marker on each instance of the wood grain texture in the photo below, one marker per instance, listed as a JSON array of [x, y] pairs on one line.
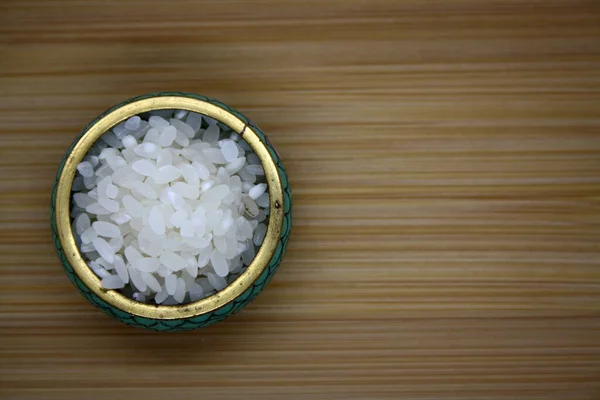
[[445, 161]]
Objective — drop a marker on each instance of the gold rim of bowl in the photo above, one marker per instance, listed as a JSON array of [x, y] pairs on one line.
[[221, 298]]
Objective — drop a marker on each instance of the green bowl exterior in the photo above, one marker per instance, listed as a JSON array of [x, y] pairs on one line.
[[209, 318]]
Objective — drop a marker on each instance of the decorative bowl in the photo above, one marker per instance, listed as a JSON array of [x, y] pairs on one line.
[[210, 309]]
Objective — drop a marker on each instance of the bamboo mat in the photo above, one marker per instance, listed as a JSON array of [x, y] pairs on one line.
[[445, 161]]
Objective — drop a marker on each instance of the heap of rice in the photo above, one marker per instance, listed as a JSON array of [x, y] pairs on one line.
[[169, 207]]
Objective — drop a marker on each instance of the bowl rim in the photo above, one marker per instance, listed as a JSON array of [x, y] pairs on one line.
[[119, 113]]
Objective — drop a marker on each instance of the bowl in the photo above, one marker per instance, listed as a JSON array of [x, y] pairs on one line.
[[210, 309]]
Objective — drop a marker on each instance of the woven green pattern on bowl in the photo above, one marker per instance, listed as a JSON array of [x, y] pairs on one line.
[[209, 318]]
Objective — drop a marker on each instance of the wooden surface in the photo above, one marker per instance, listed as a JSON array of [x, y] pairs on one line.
[[445, 161]]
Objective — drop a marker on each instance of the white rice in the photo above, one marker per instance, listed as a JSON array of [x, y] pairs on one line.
[[169, 207]]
